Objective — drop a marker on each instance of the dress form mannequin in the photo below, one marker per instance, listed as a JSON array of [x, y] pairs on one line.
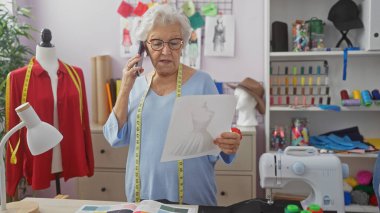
[[246, 108], [47, 58]]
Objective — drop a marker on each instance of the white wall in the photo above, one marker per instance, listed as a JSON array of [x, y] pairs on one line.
[[84, 28]]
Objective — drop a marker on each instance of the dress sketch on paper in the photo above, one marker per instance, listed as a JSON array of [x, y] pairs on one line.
[[191, 55], [220, 36], [199, 139], [128, 41]]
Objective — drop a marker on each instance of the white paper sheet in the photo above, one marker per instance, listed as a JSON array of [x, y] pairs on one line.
[[196, 121]]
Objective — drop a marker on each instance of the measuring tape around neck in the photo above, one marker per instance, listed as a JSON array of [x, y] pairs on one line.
[[73, 75], [138, 141]]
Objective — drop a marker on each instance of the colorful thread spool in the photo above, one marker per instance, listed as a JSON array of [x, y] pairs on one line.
[[366, 98], [356, 94], [351, 102], [315, 208], [344, 95], [291, 208], [375, 94], [320, 100]]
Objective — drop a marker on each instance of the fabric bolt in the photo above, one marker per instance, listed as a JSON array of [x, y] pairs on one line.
[[76, 145], [160, 180]]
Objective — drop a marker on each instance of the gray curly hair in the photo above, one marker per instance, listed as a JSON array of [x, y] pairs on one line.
[[163, 14]]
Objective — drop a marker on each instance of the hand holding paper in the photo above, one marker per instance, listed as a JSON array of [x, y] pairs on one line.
[[196, 122]]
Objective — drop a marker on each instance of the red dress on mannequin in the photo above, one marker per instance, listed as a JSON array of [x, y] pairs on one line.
[[76, 145]]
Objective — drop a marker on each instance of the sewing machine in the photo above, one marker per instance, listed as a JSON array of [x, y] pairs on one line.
[[303, 163]]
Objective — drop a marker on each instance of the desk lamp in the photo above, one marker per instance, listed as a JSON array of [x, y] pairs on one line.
[[41, 137]]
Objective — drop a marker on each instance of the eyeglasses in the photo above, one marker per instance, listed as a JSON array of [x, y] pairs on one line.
[[158, 44]]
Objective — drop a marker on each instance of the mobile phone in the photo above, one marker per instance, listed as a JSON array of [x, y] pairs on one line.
[[141, 53]]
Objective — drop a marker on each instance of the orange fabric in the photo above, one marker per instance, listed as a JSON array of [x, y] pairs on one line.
[[76, 145]]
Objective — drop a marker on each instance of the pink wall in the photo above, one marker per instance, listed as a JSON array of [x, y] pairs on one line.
[[83, 28]]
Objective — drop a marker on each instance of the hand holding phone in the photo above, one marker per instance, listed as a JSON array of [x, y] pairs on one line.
[[141, 53]]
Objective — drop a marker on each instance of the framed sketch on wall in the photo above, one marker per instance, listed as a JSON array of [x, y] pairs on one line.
[[128, 41], [191, 55], [220, 36]]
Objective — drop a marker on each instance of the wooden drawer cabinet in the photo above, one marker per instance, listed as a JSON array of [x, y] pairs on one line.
[[108, 182], [106, 156], [233, 189], [104, 185], [237, 181]]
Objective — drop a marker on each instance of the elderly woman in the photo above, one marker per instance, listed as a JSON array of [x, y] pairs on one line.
[[142, 113]]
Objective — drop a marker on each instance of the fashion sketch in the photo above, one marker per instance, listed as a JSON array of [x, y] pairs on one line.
[[199, 139], [220, 36], [128, 41], [195, 122], [191, 55]]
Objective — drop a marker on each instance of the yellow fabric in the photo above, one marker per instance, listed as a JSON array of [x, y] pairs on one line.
[[374, 142], [351, 181]]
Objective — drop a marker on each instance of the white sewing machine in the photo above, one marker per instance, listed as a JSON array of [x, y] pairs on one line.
[[303, 163]]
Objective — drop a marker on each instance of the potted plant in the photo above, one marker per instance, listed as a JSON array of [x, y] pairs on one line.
[[13, 53]]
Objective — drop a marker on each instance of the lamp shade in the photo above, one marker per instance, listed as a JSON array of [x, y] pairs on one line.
[[40, 135]]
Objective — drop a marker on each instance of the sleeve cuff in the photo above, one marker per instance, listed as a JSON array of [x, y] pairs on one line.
[[227, 158], [114, 136]]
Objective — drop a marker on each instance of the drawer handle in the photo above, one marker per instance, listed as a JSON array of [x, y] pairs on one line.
[[103, 189], [222, 193], [102, 151]]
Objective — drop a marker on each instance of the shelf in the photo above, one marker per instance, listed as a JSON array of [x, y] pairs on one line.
[[323, 53], [354, 155], [351, 155], [374, 108], [359, 208]]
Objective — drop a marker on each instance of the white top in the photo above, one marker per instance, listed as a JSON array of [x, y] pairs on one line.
[[47, 58]]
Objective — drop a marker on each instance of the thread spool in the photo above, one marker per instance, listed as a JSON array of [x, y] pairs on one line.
[[271, 100], [287, 100], [351, 102], [344, 95], [366, 98], [279, 100], [375, 94], [356, 94]]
